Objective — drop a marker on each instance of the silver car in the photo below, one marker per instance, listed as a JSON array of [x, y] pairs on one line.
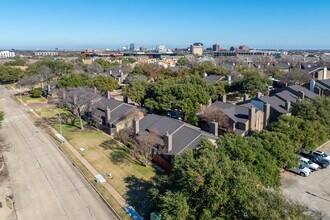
[[309, 164], [302, 170]]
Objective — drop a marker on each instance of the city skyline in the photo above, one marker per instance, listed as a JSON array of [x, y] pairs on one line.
[[114, 24]]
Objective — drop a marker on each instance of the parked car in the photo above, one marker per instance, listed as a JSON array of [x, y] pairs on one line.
[[302, 170], [316, 159], [321, 154], [309, 164]]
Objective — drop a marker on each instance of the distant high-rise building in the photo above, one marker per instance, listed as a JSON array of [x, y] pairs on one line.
[[196, 49], [132, 46], [216, 48], [143, 48], [161, 49], [244, 47]]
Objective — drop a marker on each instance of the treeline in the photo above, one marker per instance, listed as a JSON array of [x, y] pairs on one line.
[[184, 93], [101, 82]]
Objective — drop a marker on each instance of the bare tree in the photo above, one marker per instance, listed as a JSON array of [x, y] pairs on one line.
[[94, 68], [146, 142], [296, 76], [29, 81], [218, 116], [78, 100], [44, 74]]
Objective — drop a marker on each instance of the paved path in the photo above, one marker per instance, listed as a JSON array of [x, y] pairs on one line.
[[44, 182]]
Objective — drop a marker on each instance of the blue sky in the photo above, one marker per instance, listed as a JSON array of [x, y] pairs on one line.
[[176, 23]]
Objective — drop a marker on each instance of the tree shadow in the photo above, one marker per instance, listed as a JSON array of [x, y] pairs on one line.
[[137, 194], [119, 156], [109, 144]]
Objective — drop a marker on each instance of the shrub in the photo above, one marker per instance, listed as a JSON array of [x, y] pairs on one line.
[[36, 93]]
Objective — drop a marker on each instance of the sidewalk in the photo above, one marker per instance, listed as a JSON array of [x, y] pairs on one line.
[[90, 168]]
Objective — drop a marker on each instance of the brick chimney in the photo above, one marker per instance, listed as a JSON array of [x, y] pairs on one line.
[[252, 118], [259, 94], [287, 106], [224, 98], [214, 128], [168, 141], [301, 95], [48, 89], [266, 114], [107, 114], [107, 94], [136, 125], [246, 97], [325, 72]]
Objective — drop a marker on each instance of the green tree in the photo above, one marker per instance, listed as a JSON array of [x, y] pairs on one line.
[[209, 68], [105, 83], [251, 83], [207, 184], [106, 64], [75, 80], [138, 71], [10, 74], [182, 62], [251, 152], [36, 93], [304, 134], [16, 62], [136, 91]]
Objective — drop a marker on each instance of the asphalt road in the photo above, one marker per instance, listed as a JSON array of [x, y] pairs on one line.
[[44, 182]]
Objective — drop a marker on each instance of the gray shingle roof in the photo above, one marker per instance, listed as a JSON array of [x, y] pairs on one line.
[[212, 79], [237, 113], [296, 88], [118, 109], [184, 136], [275, 102], [323, 84]]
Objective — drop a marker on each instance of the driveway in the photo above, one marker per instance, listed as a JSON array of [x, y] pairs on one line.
[[313, 191], [44, 183]]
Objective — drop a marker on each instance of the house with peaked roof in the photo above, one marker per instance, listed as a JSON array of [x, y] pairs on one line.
[[210, 79], [320, 87], [241, 118], [280, 100], [178, 136], [111, 115]]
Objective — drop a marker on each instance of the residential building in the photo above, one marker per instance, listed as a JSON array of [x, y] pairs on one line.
[[283, 66], [320, 87], [210, 79], [240, 119], [178, 136], [111, 116], [45, 53], [7, 54], [281, 100], [197, 49], [317, 72]]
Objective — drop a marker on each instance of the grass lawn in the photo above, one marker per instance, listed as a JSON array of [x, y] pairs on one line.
[[51, 111], [102, 151], [29, 100]]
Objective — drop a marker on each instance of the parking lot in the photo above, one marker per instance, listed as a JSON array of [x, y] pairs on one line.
[[313, 191]]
